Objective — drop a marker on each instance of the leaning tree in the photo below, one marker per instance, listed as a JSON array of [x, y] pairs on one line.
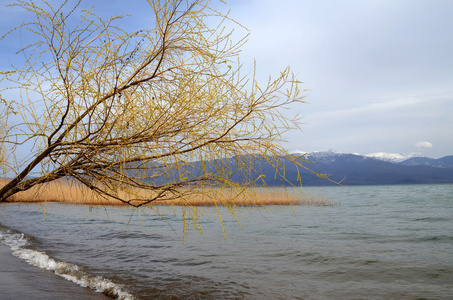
[[138, 116]]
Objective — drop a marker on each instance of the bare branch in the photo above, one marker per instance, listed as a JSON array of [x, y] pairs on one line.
[[142, 116]]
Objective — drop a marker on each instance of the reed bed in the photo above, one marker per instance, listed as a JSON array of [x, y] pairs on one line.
[[69, 192], [63, 192], [263, 196]]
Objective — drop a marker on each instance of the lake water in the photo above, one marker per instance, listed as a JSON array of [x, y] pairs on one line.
[[375, 242]]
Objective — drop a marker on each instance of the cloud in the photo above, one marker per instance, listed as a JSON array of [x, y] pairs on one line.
[[424, 145]]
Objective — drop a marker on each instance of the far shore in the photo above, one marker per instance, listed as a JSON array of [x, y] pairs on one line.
[[72, 193]]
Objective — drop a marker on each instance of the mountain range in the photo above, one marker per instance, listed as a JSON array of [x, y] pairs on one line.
[[355, 169], [341, 168]]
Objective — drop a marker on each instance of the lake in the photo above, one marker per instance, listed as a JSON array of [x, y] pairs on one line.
[[375, 242]]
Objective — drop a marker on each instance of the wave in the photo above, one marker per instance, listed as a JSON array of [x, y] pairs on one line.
[[18, 243]]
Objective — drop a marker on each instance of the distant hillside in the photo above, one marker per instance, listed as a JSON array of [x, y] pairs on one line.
[[444, 162], [352, 169], [391, 157], [349, 169]]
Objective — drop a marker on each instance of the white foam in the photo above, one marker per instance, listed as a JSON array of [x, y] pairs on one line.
[[71, 272], [13, 240]]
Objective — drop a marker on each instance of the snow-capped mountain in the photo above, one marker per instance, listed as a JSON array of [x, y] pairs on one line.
[[376, 168], [397, 158], [444, 162], [332, 155], [413, 159], [344, 168], [329, 156], [392, 157]]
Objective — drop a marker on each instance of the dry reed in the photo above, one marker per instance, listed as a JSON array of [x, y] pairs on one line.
[[69, 192]]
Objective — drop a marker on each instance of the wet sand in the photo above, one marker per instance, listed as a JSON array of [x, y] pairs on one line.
[[19, 280]]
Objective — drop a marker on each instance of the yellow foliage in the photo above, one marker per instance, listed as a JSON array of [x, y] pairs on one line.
[[151, 116]]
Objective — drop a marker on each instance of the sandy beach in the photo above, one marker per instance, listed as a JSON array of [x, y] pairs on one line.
[[19, 280]]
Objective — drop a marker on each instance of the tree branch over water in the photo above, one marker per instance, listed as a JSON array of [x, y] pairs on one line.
[[153, 114]]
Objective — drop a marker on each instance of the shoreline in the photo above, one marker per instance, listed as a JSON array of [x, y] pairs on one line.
[[19, 280]]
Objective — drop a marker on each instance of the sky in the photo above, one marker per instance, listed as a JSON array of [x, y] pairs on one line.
[[379, 73]]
